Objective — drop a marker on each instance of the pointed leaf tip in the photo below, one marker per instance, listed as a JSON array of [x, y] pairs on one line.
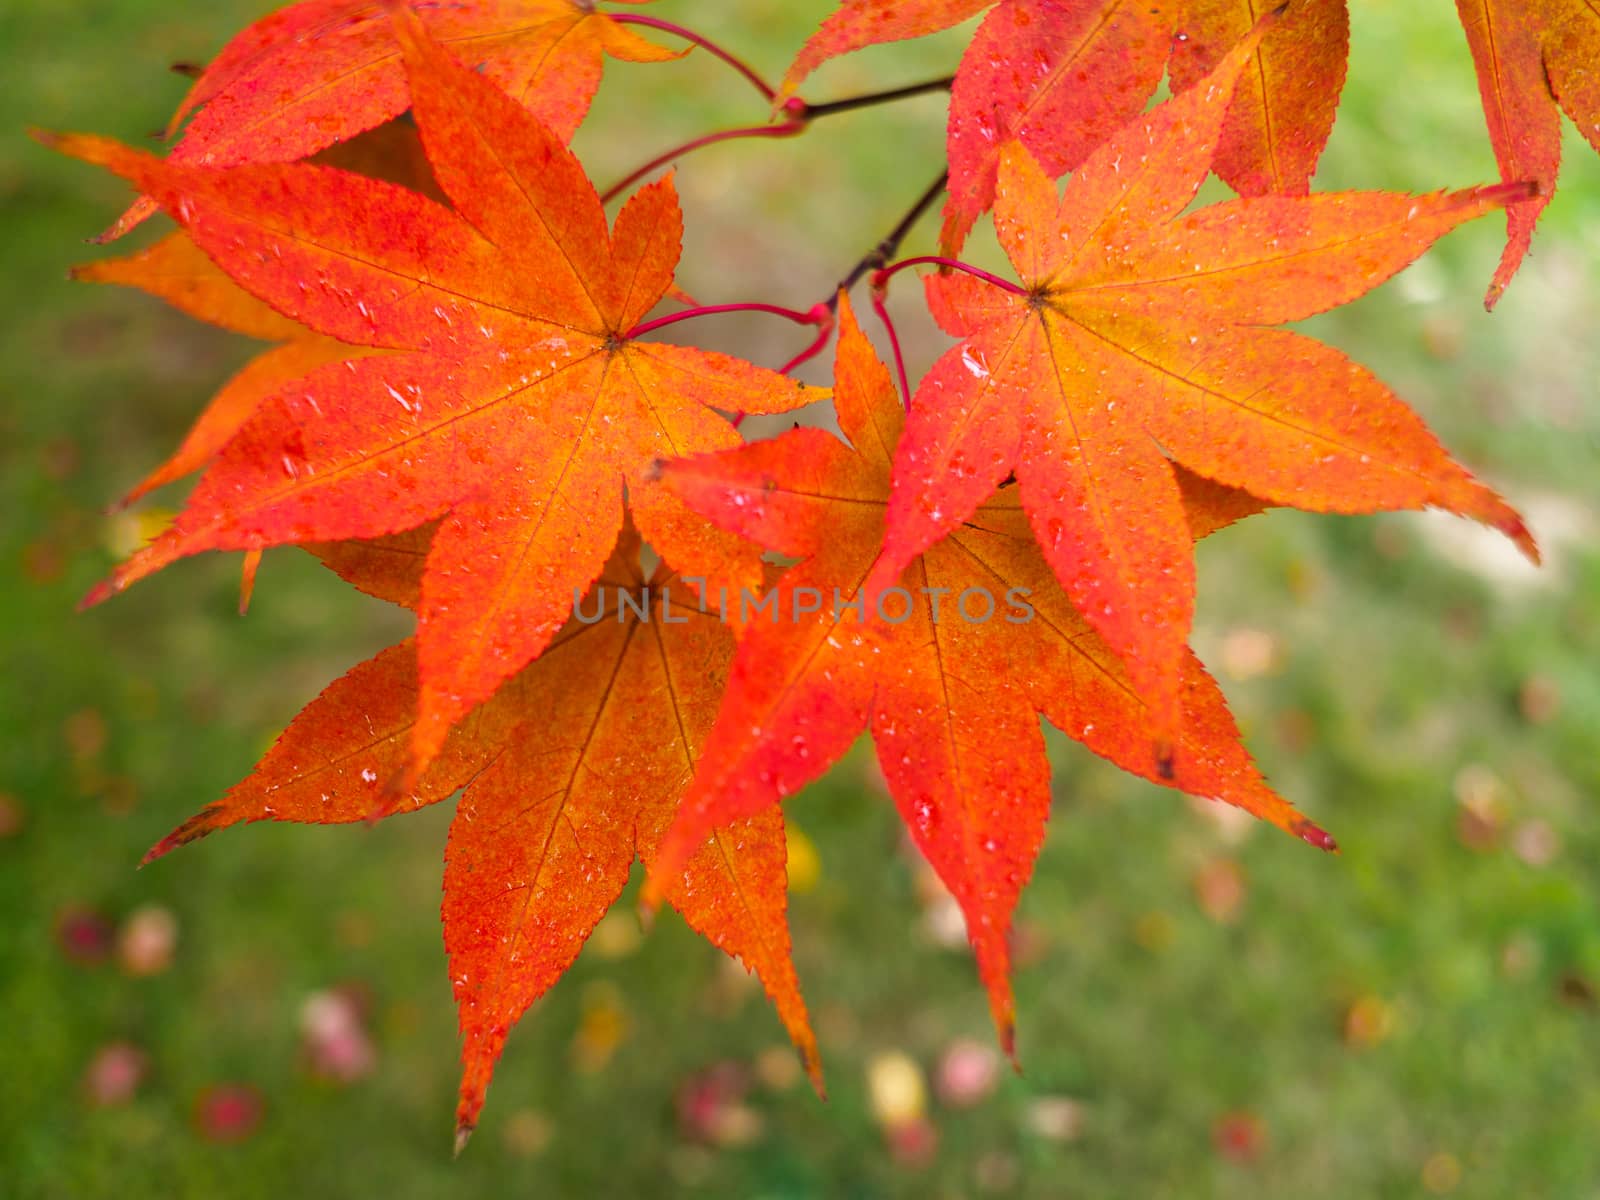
[[1309, 831], [1519, 533], [1006, 1028], [98, 594], [812, 1062], [192, 830], [162, 848]]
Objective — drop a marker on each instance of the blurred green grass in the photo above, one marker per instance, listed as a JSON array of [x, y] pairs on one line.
[[1396, 677]]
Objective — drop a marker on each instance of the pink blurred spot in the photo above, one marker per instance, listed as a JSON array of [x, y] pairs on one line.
[[228, 1112], [148, 940], [711, 1107], [114, 1074], [913, 1143], [334, 1035], [83, 935], [1240, 1137], [968, 1073]]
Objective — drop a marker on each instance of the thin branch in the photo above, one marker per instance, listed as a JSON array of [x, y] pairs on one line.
[[881, 277], [849, 104], [709, 310], [705, 43], [795, 116], [787, 129], [880, 255], [818, 344], [882, 310]]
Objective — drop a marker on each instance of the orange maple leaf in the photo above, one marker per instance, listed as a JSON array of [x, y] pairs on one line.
[[175, 270], [320, 71], [512, 402], [951, 681], [857, 24], [1284, 105], [572, 771], [1063, 75], [1533, 59], [1138, 338]]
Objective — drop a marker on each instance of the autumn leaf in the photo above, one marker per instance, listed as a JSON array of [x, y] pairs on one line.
[[1061, 76], [320, 71], [1138, 338], [512, 403], [1530, 58], [950, 677], [857, 24], [572, 771], [1284, 105], [175, 270]]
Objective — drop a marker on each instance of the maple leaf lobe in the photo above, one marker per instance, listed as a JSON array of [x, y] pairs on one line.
[[507, 416], [956, 729], [567, 776], [1141, 341]]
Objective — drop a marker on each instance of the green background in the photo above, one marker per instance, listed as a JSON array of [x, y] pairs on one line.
[[1427, 698]]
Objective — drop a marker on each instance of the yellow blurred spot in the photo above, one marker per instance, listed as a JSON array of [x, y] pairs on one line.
[[1368, 1021], [1441, 1174], [353, 929], [127, 532], [1056, 1118], [616, 936], [896, 1090], [1483, 811], [602, 1028], [805, 866], [778, 1068], [527, 1132], [1250, 653], [1154, 931]]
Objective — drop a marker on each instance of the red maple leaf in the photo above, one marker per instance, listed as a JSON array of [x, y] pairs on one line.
[[1063, 75], [1139, 337], [571, 772], [320, 71], [1532, 56], [512, 402], [1284, 105], [951, 677], [857, 24], [175, 270]]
